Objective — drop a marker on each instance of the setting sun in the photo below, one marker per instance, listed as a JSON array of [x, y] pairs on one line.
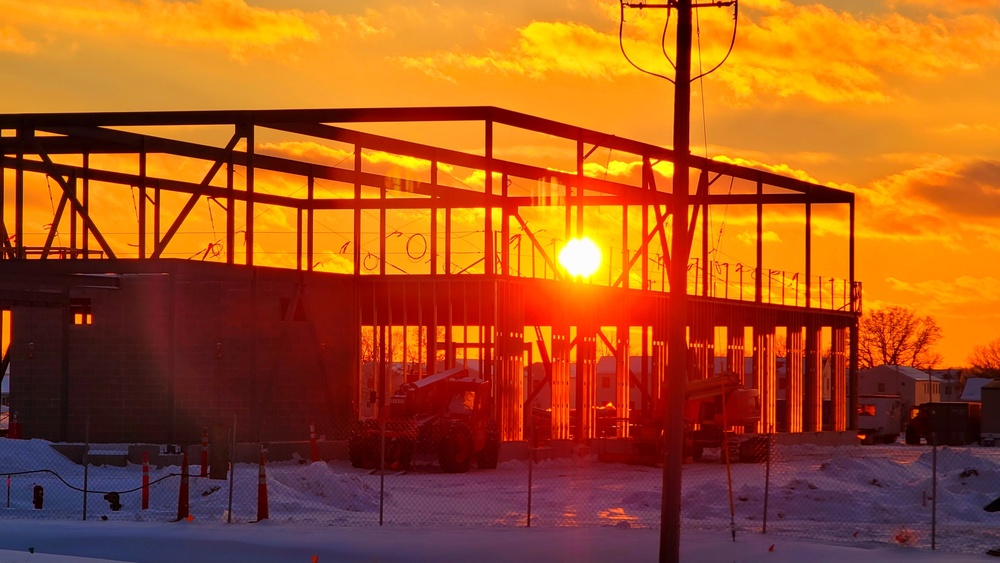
[[580, 257]]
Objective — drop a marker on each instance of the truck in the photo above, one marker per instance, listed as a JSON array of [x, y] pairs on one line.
[[990, 424], [945, 423], [447, 415], [880, 418], [713, 408]]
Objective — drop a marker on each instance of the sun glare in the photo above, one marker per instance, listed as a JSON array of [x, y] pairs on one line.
[[580, 257]]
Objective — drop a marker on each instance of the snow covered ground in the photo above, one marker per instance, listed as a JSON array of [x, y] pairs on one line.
[[822, 503]]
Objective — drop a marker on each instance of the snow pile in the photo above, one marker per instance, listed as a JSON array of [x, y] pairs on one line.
[[320, 483], [876, 494]]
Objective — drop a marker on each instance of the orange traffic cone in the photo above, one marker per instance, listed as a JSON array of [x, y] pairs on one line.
[[262, 490], [183, 505]]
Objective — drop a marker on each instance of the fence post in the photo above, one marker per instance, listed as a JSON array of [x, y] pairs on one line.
[[381, 471], [531, 462], [313, 447], [232, 469], [145, 480], [86, 464], [767, 474], [934, 480], [204, 452]]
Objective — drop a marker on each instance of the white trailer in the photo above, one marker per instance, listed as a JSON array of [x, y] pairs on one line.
[[880, 418], [990, 424]]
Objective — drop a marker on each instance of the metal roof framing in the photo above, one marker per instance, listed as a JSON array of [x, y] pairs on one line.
[[30, 141]]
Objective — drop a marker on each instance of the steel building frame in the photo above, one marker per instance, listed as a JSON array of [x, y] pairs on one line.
[[491, 295]]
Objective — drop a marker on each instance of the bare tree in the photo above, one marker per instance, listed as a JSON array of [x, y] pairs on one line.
[[897, 336], [410, 345], [985, 360]]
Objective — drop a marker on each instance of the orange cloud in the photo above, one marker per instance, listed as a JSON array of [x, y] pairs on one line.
[[947, 5], [12, 41], [963, 290], [836, 57], [942, 200], [333, 156], [542, 48], [783, 50], [971, 189], [967, 128], [782, 169], [750, 238], [241, 30]]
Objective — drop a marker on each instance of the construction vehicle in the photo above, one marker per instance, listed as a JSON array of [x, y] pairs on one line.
[[944, 424], [713, 408], [447, 415], [990, 422], [879, 418]]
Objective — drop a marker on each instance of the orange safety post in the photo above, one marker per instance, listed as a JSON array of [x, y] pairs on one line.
[[145, 480], [183, 504], [204, 452], [262, 512], [313, 448]]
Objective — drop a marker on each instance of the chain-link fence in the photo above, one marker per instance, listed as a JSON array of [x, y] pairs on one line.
[[923, 496], [918, 496]]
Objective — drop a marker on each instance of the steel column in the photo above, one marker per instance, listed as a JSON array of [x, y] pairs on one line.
[[794, 391], [310, 224], [230, 213], [249, 133], [813, 386], [142, 205], [19, 205], [764, 372], [586, 375], [736, 350], [560, 384], [622, 379], [838, 391]]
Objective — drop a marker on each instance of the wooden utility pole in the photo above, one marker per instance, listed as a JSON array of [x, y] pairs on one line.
[[680, 247], [670, 516]]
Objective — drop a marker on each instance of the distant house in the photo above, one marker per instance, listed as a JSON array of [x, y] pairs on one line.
[[605, 382], [913, 386], [951, 383], [606, 369], [973, 390]]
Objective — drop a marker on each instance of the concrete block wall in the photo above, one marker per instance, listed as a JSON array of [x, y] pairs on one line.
[[182, 346]]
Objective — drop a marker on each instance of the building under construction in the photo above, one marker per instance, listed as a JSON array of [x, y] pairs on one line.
[[161, 272]]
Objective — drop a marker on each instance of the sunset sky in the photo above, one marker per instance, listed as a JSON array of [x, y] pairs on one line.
[[894, 100]]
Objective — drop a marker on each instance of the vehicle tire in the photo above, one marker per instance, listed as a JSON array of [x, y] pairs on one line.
[[912, 438], [889, 439], [488, 457], [456, 449], [404, 453], [363, 444]]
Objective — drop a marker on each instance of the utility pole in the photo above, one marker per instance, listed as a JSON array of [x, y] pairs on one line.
[[670, 515], [676, 376]]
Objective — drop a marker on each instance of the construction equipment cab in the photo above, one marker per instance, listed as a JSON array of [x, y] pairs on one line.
[[447, 415]]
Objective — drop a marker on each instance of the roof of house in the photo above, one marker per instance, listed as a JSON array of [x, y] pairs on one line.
[[906, 371], [973, 389], [606, 364]]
